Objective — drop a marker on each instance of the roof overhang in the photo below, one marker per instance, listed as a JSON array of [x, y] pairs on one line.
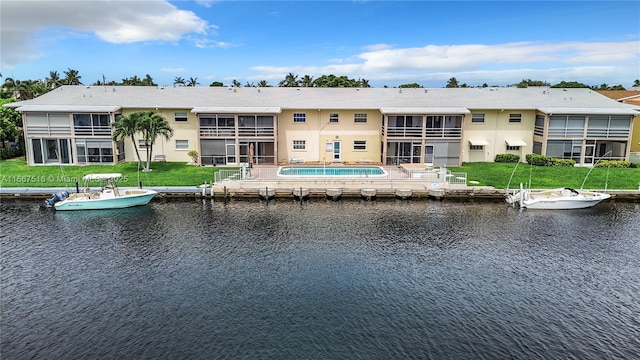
[[68, 108], [478, 142], [423, 111], [591, 111], [514, 142], [236, 110]]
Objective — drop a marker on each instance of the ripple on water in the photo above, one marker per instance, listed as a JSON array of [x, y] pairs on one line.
[[348, 279]]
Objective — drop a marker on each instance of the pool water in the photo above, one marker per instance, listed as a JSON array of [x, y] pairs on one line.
[[349, 171]]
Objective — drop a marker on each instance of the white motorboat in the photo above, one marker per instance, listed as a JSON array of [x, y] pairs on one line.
[[109, 196], [556, 199]]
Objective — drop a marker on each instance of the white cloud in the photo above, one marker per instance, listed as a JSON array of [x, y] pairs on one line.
[[110, 21], [500, 64]]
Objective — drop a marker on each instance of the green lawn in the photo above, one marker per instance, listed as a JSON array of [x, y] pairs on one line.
[[15, 173], [549, 177]]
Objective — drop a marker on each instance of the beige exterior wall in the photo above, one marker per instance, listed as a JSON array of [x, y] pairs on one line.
[[496, 131], [181, 131], [317, 131], [635, 135]]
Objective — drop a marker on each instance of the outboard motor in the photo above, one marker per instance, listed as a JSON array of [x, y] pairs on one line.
[[59, 196]]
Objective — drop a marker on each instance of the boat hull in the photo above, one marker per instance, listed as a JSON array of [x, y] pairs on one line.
[[120, 202], [557, 199], [566, 204]]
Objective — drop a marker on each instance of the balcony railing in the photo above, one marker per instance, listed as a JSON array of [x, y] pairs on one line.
[[92, 130], [256, 131], [216, 131], [399, 131], [444, 133], [607, 133], [567, 133], [48, 130]]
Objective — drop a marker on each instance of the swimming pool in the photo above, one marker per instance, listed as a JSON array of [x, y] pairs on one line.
[[337, 171]]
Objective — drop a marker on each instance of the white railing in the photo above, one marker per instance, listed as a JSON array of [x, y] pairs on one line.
[[392, 173]]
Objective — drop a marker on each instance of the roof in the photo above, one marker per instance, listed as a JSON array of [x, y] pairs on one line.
[[275, 99], [624, 96], [418, 110], [69, 108], [235, 110]]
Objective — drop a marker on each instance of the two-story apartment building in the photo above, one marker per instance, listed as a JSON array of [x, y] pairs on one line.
[[440, 126]]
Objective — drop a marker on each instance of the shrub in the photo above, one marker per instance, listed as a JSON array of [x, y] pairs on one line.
[[542, 160], [11, 152], [538, 160], [562, 162], [507, 158], [613, 163]]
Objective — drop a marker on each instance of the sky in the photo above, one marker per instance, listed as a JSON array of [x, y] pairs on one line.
[[388, 43]]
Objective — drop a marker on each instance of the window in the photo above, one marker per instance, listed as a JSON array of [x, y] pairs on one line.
[[360, 145], [333, 117], [91, 124], [142, 145], [513, 148], [299, 145], [515, 118], [299, 117], [94, 151], [360, 118], [182, 144], [476, 147], [180, 116], [477, 118]]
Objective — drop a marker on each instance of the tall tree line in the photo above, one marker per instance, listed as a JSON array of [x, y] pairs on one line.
[[29, 89]]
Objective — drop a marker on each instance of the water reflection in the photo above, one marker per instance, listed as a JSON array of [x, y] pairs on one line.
[[346, 279]]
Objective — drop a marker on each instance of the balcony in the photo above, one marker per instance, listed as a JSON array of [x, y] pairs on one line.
[[217, 131]]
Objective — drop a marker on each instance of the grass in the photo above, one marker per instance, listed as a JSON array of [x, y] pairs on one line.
[[549, 177], [16, 173]]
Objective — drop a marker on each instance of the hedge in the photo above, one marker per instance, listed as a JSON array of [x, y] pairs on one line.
[[542, 160], [613, 163], [507, 158]]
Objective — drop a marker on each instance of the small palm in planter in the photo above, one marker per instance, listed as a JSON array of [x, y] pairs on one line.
[[194, 157]]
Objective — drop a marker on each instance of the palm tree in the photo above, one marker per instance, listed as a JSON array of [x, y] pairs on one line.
[[290, 80], [452, 83], [153, 125], [263, 83], [178, 81], [53, 81], [135, 80], [307, 81], [127, 126], [363, 83], [236, 83], [148, 81], [193, 82], [23, 89], [72, 77]]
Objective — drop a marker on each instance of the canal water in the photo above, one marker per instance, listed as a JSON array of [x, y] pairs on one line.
[[320, 280]]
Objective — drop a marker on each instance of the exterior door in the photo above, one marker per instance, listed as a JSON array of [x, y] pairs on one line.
[[415, 151], [589, 152], [231, 154], [336, 151], [428, 154]]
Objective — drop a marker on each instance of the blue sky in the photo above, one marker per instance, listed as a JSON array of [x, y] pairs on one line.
[[386, 42]]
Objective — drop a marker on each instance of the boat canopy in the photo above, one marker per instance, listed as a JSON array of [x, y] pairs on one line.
[[106, 176]]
